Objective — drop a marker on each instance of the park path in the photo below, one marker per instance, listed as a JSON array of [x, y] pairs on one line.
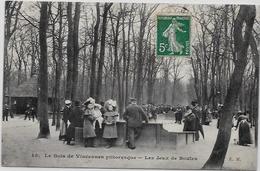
[[21, 148]]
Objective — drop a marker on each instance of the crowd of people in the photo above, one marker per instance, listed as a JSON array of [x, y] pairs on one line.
[[195, 116], [99, 120]]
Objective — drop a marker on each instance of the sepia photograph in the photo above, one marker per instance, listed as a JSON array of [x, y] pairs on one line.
[[110, 85]]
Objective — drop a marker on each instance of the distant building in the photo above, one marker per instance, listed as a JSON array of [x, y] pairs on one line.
[[27, 93]]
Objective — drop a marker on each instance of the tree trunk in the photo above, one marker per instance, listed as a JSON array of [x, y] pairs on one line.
[[56, 68], [165, 84], [76, 51], [70, 53], [58, 71], [246, 14], [43, 74], [128, 58], [116, 62], [94, 54], [139, 74], [255, 53], [102, 53]]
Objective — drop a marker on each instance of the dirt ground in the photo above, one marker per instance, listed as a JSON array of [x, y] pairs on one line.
[[21, 148]]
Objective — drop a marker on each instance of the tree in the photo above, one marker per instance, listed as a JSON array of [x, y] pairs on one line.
[[94, 54], [144, 16], [70, 53], [245, 15], [255, 53], [43, 74], [76, 51], [11, 19], [102, 52], [59, 66]]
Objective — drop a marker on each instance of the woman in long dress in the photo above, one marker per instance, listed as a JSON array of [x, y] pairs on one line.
[[244, 135], [110, 118], [88, 129]]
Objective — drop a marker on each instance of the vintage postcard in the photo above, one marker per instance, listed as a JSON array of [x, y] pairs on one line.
[[130, 85]]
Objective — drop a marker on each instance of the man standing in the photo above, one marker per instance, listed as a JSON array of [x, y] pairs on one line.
[[134, 115], [33, 113], [5, 112], [196, 110], [75, 120]]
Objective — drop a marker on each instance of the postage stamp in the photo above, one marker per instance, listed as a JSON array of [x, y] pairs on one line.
[[173, 35]]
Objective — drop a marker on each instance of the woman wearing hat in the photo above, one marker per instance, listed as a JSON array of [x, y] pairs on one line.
[[244, 134], [65, 118], [110, 118], [88, 129]]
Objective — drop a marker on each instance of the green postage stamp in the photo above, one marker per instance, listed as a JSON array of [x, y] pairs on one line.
[[173, 35]]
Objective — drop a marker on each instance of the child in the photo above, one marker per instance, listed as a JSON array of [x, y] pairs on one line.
[[110, 118]]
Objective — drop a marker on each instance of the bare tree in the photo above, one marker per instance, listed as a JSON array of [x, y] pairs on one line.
[[246, 15], [11, 19], [102, 51], [94, 54], [144, 16], [43, 74]]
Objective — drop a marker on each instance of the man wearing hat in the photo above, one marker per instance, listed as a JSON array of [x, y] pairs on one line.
[[189, 120], [178, 115], [134, 115], [5, 112], [65, 117], [75, 120]]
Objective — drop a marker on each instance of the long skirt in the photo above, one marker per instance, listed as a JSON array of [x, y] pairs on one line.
[[88, 129], [70, 132], [63, 129], [244, 133], [110, 131]]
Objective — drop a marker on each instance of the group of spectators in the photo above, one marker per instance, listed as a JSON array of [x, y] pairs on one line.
[[153, 110], [99, 120], [196, 116]]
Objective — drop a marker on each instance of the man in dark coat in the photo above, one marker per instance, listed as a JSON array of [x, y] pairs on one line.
[[191, 123], [189, 120], [5, 112], [33, 113], [196, 110], [178, 115], [134, 115], [28, 112], [75, 119]]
